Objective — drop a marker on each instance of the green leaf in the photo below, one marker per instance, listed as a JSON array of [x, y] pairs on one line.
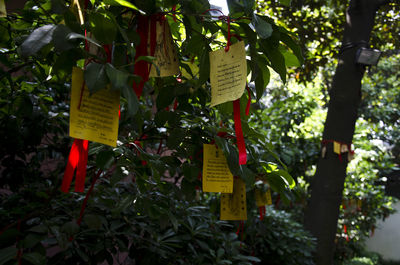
[[40, 229], [263, 75], [39, 38], [285, 2], [173, 220], [103, 27], [165, 97], [95, 77], [288, 40], [148, 59], [93, 221], [104, 159], [175, 137], [7, 254], [74, 35], [4, 37], [70, 228], [8, 237], [204, 66], [61, 39], [263, 28], [161, 117], [34, 258], [194, 44], [122, 3], [275, 57], [290, 59], [131, 98], [290, 181], [118, 79], [32, 240]]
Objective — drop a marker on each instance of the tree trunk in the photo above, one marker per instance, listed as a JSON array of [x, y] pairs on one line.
[[327, 186]]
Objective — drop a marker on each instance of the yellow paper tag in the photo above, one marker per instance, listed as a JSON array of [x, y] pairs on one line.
[[3, 11], [233, 205], [336, 147], [97, 118], [228, 73], [165, 53], [216, 174], [263, 199], [359, 204]]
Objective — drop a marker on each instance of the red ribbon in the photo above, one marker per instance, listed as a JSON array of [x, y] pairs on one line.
[[142, 68], [262, 212], [239, 133], [240, 231], [77, 160]]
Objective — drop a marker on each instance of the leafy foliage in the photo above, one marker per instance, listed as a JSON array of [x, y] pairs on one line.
[[320, 24], [280, 240], [144, 204]]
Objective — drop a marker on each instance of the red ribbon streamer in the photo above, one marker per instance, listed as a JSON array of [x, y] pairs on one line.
[[77, 159], [262, 212], [239, 133], [142, 68], [240, 230]]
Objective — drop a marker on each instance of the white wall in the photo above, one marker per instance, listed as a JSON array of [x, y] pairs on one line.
[[386, 239]]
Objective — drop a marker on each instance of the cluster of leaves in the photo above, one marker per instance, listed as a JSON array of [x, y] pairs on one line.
[[146, 227], [265, 237], [151, 221], [320, 27]]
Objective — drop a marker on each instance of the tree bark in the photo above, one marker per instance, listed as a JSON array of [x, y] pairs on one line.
[[327, 185]]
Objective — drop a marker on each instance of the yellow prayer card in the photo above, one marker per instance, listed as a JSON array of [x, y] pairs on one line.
[[228, 73], [3, 11], [166, 58], [233, 206], [263, 198], [216, 174], [96, 119], [336, 147]]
